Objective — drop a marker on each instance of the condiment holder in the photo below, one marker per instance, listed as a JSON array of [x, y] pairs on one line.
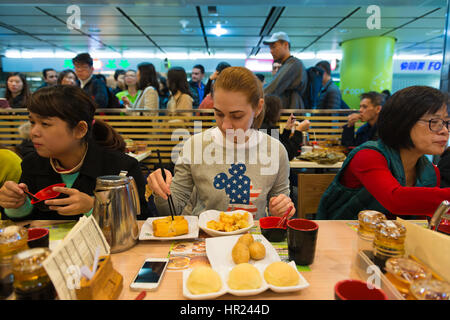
[[106, 284]]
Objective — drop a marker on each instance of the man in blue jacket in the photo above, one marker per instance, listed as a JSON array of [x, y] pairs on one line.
[[89, 82], [369, 108]]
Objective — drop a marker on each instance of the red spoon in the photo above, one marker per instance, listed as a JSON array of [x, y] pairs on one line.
[[283, 221]]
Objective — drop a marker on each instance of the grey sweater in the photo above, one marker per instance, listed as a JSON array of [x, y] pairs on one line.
[[289, 84], [228, 176]]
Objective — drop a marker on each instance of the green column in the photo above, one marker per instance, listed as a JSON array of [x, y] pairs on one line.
[[366, 66]]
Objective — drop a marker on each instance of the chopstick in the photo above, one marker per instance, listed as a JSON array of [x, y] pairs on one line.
[[169, 197], [32, 196]]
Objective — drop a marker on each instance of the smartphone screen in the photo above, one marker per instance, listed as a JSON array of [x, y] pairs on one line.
[[151, 271]]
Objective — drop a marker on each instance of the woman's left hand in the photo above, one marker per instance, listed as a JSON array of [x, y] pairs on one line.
[[77, 202], [280, 204]]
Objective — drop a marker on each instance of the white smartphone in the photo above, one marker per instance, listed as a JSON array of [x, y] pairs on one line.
[[150, 274]]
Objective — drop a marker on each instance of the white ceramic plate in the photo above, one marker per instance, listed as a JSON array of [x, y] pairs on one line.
[[147, 230], [246, 293], [208, 215], [224, 274], [207, 296], [219, 250], [302, 283]]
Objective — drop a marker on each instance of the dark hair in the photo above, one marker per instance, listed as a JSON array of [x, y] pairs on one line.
[[402, 111], [377, 99], [25, 89], [222, 65], [84, 58], [272, 107], [72, 105], [44, 72], [200, 67], [148, 77], [177, 81], [387, 93], [64, 73], [325, 65], [260, 76], [117, 73], [165, 90]]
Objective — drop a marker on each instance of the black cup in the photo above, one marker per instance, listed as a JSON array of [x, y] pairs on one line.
[[302, 239], [38, 238]]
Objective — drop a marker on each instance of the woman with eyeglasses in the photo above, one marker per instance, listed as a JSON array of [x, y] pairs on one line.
[[393, 175]]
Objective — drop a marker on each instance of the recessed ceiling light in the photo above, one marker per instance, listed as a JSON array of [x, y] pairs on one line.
[[218, 30]]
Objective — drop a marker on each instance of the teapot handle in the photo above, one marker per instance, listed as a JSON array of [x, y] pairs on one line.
[[137, 202]]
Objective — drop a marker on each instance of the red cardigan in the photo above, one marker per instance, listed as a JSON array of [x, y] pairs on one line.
[[369, 168]]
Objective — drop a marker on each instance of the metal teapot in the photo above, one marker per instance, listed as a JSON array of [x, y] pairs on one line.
[[115, 208]]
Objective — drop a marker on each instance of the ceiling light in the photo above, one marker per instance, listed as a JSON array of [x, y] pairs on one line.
[[218, 30], [13, 54], [105, 55]]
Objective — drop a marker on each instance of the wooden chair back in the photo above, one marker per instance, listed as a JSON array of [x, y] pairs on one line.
[[310, 189]]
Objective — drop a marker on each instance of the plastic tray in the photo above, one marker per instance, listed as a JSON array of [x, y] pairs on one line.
[[365, 268]]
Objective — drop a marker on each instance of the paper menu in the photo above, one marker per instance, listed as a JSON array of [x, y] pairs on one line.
[[77, 249]]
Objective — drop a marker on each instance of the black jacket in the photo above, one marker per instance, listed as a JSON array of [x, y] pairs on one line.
[[292, 144], [444, 168], [98, 91], [37, 173], [363, 134]]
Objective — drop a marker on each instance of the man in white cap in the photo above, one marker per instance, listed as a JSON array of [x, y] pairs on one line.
[[291, 79]]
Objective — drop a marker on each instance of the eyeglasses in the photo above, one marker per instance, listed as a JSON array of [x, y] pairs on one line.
[[436, 125]]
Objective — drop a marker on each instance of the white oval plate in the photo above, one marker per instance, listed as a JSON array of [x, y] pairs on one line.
[[147, 230], [208, 215]]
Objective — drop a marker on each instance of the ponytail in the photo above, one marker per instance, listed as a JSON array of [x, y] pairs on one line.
[[105, 135]]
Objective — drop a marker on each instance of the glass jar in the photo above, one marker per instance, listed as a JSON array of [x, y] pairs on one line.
[[402, 272], [430, 289], [389, 242], [13, 239], [31, 281], [368, 220]]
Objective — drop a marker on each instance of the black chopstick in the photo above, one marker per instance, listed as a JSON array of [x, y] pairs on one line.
[[169, 197]]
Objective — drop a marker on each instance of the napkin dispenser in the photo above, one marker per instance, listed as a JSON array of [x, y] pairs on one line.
[[106, 284]]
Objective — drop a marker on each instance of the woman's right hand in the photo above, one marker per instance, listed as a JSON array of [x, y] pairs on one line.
[[12, 195], [158, 185]]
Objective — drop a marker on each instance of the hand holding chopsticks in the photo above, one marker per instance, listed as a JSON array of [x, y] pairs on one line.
[[279, 204]]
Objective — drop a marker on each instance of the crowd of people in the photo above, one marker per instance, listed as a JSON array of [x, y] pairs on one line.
[[386, 170]]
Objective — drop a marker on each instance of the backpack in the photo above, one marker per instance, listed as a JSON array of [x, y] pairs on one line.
[[312, 92]]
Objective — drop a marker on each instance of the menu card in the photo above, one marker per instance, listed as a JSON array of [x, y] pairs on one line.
[[77, 249]]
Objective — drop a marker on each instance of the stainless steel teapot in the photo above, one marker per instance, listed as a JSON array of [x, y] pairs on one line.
[[115, 208]]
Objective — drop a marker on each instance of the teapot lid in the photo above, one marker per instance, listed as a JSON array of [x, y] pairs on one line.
[[112, 180]]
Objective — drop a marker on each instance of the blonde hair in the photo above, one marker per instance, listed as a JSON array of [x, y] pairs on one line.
[[240, 79]]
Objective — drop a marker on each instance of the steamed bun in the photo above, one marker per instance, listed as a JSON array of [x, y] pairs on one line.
[[203, 280], [244, 276], [281, 274]]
